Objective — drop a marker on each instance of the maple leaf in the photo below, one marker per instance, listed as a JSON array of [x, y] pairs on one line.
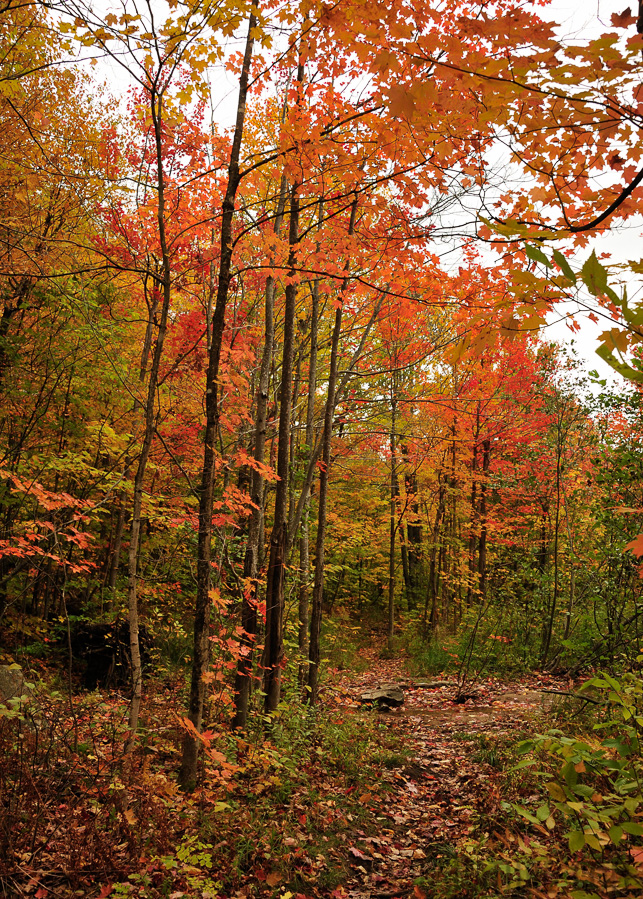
[[636, 545], [623, 19]]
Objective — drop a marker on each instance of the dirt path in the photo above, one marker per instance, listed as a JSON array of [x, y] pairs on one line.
[[450, 779]]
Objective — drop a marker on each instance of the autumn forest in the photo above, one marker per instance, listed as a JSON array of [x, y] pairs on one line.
[[320, 560]]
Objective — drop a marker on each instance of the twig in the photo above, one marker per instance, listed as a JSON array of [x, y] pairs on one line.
[[575, 696]]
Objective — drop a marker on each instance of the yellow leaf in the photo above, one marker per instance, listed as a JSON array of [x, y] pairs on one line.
[[556, 791]]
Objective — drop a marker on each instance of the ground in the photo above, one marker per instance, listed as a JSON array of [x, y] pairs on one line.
[[450, 776], [426, 801]]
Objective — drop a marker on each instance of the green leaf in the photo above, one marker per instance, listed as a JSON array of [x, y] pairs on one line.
[[525, 814], [622, 368], [537, 255], [615, 834], [584, 790], [525, 763], [632, 828], [543, 812], [564, 266], [594, 275], [593, 842], [570, 775], [576, 840]]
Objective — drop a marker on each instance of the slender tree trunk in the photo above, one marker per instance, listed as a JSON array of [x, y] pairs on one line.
[[278, 538], [572, 573], [118, 542], [433, 587], [188, 770], [474, 512], [304, 548], [554, 602], [413, 533], [314, 653], [339, 393], [165, 283], [249, 620], [392, 515], [404, 553], [482, 543]]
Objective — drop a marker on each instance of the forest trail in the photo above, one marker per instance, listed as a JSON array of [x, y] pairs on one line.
[[450, 777]]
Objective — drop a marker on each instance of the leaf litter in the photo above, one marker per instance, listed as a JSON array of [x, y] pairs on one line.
[[440, 793]]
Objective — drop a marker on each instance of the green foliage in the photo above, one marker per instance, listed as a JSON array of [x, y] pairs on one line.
[[430, 656], [594, 786], [192, 861]]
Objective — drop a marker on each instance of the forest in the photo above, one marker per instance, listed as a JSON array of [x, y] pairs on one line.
[[320, 561]]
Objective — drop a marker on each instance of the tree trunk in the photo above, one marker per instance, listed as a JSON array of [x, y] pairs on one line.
[[316, 454], [414, 534], [393, 504], [278, 538], [433, 586], [482, 544], [314, 653], [304, 548], [188, 770], [549, 627], [165, 283], [249, 621]]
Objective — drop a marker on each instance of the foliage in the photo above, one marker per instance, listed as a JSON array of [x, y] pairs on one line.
[[221, 348], [594, 796]]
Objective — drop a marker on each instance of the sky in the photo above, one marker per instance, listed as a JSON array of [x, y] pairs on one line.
[[577, 20], [580, 19]]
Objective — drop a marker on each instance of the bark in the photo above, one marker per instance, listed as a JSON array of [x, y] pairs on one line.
[[149, 427], [22, 294], [482, 542], [118, 542], [404, 552], [314, 653], [316, 454], [249, 622], [414, 537], [188, 770], [549, 627], [413, 532], [474, 512], [294, 437], [278, 537], [304, 547], [394, 491], [433, 586]]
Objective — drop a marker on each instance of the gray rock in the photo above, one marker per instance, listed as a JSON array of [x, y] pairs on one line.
[[12, 683], [387, 696]]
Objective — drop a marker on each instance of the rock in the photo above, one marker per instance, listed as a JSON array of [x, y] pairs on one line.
[[388, 696], [12, 683], [433, 684]]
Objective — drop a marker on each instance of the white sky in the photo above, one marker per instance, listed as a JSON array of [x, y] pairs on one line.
[[577, 20]]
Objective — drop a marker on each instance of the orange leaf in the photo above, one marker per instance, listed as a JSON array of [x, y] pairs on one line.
[[623, 19], [636, 545]]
